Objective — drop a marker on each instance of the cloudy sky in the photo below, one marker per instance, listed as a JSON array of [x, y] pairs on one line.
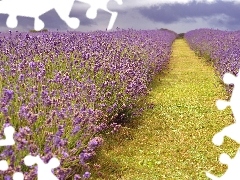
[[177, 15]]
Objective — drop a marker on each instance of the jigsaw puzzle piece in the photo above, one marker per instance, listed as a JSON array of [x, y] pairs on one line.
[[232, 173], [112, 20], [229, 78], [100, 4], [234, 102], [18, 176], [222, 104], [91, 13], [8, 133], [3, 165], [44, 170], [63, 8], [231, 131], [6, 7], [211, 176], [15, 8]]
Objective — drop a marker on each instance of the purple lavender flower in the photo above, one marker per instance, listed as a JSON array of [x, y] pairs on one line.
[[95, 142], [7, 177], [8, 95], [32, 64], [21, 77], [86, 175], [220, 47], [71, 86], [84, 156], [77, 177], [76, 129], [4, 110]]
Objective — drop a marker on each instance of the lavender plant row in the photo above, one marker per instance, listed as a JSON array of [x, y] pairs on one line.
[[221, 47], [60, 91]]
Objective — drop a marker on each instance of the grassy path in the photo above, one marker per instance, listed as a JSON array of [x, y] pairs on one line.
[[173, 140]]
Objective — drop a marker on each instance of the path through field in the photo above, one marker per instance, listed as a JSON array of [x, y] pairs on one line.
[[173, 140]]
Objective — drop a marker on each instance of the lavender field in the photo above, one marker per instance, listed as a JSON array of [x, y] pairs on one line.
[[62, 91], [220, 47]]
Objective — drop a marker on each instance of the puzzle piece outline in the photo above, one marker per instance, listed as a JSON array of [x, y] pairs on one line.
[[232, 173], [62, 7], [8, 133], [8, 141], [231, 131], [44, 170], [234, 103], [101, 5], [28, 160]]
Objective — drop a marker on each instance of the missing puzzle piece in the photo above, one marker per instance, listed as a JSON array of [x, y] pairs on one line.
[[44, 170], [231, 131], [3, 165], [36, 8], [95, 5], [16, 175], [234, 101], [233, 164], [26, 8], [8, 133]]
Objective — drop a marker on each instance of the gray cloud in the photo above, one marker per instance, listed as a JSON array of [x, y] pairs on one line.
[[178, 15], [170, 13], [52, 20]]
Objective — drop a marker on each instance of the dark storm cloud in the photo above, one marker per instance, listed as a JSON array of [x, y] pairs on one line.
[[170, 13]]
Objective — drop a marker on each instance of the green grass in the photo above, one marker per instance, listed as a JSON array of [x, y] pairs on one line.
[[173, 139]]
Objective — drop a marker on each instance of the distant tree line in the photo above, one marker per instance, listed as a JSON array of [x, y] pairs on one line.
[[34, 31], [168, 30], [180, 36]]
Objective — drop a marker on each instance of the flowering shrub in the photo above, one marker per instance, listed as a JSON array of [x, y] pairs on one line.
[[222, 47], [61, 90]]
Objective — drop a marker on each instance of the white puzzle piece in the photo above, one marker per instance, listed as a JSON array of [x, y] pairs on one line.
[[8, 133], [63, 8], [44, 170], [233, 172], [232, 131], [101, 4]]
